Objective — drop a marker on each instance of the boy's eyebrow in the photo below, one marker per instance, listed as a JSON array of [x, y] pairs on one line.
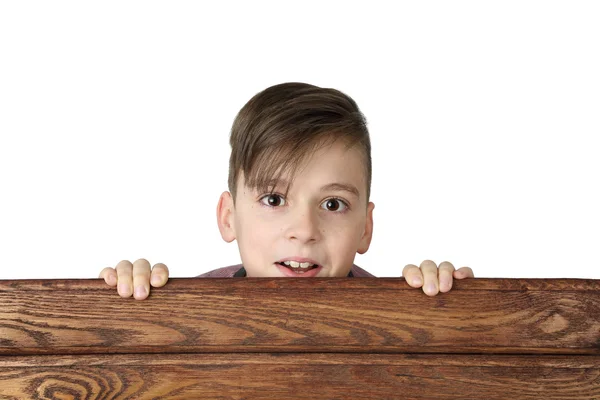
[[335, 186], [346, 187]]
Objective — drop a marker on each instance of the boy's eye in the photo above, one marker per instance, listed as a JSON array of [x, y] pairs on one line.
[[273, 200], [334, 205]]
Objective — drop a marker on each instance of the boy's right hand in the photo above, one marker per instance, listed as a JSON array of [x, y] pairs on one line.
[[127, 276]]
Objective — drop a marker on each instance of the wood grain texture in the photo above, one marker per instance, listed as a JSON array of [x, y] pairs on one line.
[[320, 338], [301, 376]]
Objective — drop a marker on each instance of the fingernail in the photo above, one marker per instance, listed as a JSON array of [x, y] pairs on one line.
[[140, 291], [416, 281], [431, 287], [155, 280], [111, 279]]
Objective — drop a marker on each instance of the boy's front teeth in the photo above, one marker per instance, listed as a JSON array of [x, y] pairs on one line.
[[295, 264]]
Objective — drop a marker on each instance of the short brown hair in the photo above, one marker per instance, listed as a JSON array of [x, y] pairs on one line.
[[279, 127]]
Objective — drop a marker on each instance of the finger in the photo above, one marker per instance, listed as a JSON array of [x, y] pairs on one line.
[[159, 275], [124, 278], [430, 278], [109, 275], [464, 272], [445, 271], [141, 279], [413, 275]]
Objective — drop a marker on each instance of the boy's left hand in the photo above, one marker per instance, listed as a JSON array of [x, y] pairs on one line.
[[427, 276]]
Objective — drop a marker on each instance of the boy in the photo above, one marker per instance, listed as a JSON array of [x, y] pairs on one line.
[[298, 201]]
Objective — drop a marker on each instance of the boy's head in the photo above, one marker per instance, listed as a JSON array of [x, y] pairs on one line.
[[299, 181]]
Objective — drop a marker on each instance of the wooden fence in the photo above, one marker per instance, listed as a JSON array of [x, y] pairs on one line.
[[318, 338]]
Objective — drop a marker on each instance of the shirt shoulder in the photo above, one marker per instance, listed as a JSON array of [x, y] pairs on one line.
[[358, 272], [228, 272], [224, 272]]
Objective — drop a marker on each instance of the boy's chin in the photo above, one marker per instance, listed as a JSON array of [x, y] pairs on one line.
[[288, 273]]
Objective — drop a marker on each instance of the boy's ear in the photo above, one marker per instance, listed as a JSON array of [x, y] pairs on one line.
[[365, 240], [225, 217]]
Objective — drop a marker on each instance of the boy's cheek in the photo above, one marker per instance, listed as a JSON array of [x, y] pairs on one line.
[[253, 248]]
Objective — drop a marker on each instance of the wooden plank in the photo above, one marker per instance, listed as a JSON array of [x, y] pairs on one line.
[[343, 315], [300, 376], [273, 338]]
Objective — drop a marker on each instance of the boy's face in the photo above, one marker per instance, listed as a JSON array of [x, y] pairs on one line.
[[306, 224]]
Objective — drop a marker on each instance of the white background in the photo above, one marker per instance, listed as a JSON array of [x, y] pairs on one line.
[[484, 121]]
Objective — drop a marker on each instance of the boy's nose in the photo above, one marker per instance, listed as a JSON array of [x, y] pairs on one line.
[[303, 226]]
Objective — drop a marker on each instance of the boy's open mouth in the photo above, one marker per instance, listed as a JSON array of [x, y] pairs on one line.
[[297, 267]]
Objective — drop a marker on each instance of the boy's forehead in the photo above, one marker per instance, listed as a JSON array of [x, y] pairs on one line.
[[332, 167]]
